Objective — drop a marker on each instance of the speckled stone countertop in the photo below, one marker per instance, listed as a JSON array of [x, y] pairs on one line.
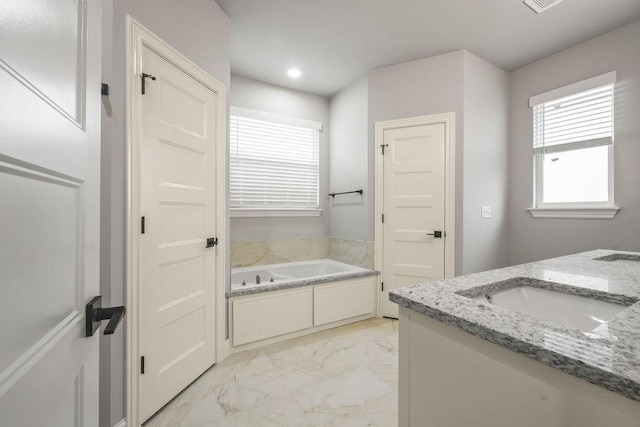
[[608, 356], [270, 287]]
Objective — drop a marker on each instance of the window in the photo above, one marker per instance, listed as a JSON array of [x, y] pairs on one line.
[[573, 150], [273, 164]]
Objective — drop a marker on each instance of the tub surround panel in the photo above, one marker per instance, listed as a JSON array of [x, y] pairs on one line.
[[354, 252], [607, 356], [284, 313], [254, 319], [248, 254], [298, 249]]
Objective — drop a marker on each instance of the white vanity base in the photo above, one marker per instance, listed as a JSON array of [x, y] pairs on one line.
[[449, 378]]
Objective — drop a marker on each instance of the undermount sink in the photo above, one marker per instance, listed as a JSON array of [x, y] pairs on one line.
[[574, 311]]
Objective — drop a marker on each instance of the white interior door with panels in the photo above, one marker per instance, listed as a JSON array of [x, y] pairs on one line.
[[49, 213], [177, 229], [413, 232]]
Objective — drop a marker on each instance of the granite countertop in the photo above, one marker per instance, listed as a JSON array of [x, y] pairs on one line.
[[270, 287], [608, 356]]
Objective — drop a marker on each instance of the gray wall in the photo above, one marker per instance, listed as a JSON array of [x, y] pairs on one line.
[[477, 92], [247, 93], [486, 156], [200, 30], [533, 239], [349, 162], [418, 88]]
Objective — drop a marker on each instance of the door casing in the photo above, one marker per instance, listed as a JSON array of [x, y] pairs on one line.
[[448, 119], [137, 37]]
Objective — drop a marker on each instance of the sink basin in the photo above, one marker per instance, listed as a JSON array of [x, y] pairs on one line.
[[574, 311]]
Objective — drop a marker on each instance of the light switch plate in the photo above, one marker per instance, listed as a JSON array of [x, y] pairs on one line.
[[486, 212]]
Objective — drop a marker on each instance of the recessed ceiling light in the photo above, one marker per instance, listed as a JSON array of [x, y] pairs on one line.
[[294, 72]]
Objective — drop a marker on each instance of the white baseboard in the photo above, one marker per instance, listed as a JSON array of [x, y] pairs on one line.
[[122, 423]]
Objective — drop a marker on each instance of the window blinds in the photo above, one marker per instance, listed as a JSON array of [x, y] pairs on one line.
[[580, 120], [272, 165]]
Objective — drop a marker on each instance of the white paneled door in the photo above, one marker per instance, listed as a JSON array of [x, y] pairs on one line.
[[49, 210], [414, 208], [177, 262]]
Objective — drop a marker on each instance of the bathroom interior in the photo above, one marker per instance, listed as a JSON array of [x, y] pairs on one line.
[[492, 169], [403, 213]]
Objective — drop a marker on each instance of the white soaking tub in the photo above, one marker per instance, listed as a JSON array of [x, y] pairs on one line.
[[279, 276], [297, 298]]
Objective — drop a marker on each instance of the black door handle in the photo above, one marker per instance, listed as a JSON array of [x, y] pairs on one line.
[[94, 314], [212, 241], [436, 234], [144, 77]]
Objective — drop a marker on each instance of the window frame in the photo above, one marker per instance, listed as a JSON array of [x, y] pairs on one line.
[[583, 210], [277, 211]]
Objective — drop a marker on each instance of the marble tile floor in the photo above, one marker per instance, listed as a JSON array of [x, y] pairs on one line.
[[346, 376]]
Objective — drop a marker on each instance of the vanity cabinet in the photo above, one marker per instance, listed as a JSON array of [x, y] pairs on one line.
[[448, 377]]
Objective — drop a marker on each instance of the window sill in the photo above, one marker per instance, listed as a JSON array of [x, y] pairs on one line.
[[269, 213], [575, 213]]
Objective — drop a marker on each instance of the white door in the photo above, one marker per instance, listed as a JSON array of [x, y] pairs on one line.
[[177, 194], [413, 198], [49, 210]]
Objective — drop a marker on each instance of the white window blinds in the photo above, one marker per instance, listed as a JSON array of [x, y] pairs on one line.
[[578, 120], [272, 165]]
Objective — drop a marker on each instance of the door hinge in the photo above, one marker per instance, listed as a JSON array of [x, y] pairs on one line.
[[144, 78], [142, 365], [383, 145], [142, 225], [104, 89], [382, 286], [383, 218]]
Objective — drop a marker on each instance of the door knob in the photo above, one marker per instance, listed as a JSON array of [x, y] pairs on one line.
[[94, 314], [212, 241], [436, 234]]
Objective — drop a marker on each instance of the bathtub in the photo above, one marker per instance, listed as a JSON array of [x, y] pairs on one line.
[[292, 274], [297, 298]]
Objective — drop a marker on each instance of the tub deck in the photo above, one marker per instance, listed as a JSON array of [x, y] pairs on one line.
[[292, 275]]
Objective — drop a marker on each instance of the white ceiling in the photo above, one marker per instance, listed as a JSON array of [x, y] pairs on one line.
[[335, 41]]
